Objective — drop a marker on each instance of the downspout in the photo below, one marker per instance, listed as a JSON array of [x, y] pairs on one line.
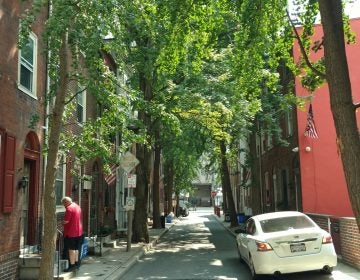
[[260, 170]]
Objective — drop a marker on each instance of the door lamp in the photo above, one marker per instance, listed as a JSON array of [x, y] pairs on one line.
[[24, 182]]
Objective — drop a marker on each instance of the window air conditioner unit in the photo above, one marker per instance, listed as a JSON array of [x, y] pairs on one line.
[[87, 182]]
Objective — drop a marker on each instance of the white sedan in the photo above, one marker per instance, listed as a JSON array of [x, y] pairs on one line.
[[285, 242]]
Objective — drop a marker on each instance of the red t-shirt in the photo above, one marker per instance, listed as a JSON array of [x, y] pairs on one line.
[[74, 226]]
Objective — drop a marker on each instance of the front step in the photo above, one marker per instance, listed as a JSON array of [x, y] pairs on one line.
[[99, 245], [30, 267]]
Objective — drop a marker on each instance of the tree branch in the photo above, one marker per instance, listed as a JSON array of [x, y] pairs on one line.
[[74, 96], [303, 52]]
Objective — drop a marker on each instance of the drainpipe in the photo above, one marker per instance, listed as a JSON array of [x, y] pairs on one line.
[[260, 170]]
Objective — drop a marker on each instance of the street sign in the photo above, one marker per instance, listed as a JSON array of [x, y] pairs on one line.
[[130, 203], [128, 162], [131, 181]]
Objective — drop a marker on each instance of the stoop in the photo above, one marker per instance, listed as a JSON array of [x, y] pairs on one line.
[[29, 265]]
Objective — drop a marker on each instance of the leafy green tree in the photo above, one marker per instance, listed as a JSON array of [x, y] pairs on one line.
[[74, 35], [153, 38]]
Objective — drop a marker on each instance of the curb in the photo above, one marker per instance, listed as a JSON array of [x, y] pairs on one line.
[[227, 228], [119, 271]]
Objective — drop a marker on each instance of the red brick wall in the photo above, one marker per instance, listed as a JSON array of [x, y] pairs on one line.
[[8, 266], [321, 220], [350, 241], [16, 110], [345, 234]]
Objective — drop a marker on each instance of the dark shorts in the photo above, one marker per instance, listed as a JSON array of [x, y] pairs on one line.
[[73, 243]]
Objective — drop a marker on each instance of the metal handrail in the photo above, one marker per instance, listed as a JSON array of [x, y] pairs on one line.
[[59, 238]]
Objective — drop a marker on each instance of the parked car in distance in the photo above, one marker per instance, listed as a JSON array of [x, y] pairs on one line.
[[285, 242], [183, 208]]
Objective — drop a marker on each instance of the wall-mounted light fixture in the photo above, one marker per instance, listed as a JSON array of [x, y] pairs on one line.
[[24, 182], [296, 149]]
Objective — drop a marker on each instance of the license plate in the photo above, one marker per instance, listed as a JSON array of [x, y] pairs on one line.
[[297, 247]]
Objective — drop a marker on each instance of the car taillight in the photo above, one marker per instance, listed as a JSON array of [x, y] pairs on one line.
[[327, 239], [263, 246]]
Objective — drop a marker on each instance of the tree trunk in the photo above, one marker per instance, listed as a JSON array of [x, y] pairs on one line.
[[342, 107], [140, 229], [169, 186], [226, 186], [156, 174], [50, 226]]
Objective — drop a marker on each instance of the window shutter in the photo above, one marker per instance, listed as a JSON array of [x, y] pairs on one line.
[[2, 160], [9, 174]]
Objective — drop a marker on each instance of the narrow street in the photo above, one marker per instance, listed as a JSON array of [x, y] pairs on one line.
[[197, 247], [200, 247]]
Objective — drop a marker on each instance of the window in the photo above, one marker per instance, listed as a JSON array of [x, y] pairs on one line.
[[269, 143], [257, 139], [60, 182], [289, 123], [267, 188], [27, 66], [263, 143], [81, 105]]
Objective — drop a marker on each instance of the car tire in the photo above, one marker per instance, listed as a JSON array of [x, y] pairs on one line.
[[254, 276], [328, 270]]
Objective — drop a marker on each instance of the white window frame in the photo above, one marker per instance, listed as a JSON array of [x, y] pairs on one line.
[[32, 91], [60, 207], [82, 92]]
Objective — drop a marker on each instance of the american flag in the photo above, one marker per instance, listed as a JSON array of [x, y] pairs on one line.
[[310, 129], [112, 176]]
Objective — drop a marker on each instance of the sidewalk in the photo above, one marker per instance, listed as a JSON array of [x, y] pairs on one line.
[[115, 261]]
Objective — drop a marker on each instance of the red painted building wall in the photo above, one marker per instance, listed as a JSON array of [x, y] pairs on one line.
[[324, 189]]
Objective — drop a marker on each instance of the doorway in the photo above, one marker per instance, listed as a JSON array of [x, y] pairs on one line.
[[24, 216], [28, 194]]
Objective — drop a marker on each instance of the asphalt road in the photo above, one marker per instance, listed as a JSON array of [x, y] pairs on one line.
[[199, 247]]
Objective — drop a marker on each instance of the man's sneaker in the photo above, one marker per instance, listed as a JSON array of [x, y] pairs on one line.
[[71, 267]]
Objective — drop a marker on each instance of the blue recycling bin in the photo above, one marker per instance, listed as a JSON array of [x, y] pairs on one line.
[[84, 249], [168, 219], [241, 218]]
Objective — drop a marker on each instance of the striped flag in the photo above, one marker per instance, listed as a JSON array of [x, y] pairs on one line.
[[310, 129], [112, 176]]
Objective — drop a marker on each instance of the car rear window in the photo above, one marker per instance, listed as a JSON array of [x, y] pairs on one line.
[[285, 223]]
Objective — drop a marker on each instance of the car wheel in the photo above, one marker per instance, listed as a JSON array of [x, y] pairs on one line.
[[327, 270], [254, 276]]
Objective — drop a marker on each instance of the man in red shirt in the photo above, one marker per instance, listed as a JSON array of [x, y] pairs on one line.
[[72, 231]]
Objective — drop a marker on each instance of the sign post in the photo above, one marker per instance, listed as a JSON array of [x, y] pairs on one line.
[[128, 162]]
